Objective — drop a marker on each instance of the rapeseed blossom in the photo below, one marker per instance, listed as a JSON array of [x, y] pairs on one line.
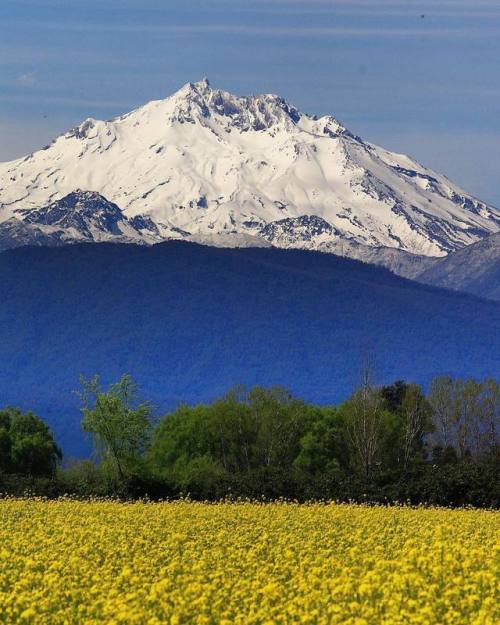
[[176, 563]]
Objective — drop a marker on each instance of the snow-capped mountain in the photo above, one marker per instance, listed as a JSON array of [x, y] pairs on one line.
[[212, 167]]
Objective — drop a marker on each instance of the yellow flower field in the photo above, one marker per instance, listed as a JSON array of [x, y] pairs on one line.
[[175, 563]]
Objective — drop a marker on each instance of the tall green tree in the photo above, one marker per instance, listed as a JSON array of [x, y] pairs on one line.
[[280, 420], [120, 427], [321, 451], [27, 445]]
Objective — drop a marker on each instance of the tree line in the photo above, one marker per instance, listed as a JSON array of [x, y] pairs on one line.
[[384, 444]]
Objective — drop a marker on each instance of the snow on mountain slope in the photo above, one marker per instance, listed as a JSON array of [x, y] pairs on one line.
[[206, 165], [16, 233]]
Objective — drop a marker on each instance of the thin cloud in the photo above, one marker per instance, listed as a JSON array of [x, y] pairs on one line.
[[464, 8], [273, 31], [63, 100], [26, 80], [394, 8], [29, 55]]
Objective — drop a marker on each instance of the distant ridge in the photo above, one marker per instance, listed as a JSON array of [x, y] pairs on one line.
[[475, 269]]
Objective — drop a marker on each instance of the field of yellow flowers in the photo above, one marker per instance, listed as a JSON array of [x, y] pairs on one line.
[[105, 562]]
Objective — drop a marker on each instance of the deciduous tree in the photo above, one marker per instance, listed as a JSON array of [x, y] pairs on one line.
[[119, 426]]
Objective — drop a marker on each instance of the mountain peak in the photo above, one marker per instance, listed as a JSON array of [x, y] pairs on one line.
[[198, 101], [83, 194], [199, 87], [202, 84]]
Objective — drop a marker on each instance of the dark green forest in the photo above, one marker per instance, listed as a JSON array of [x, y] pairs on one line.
[[384, 444]]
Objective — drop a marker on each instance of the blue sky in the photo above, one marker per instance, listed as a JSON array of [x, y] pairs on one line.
[[421, 77]]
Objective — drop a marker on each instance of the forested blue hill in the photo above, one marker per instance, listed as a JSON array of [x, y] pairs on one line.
[[189, 321]]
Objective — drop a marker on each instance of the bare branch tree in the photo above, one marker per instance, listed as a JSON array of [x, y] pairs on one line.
[[364, 421], [415, 413], [441, 398]]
